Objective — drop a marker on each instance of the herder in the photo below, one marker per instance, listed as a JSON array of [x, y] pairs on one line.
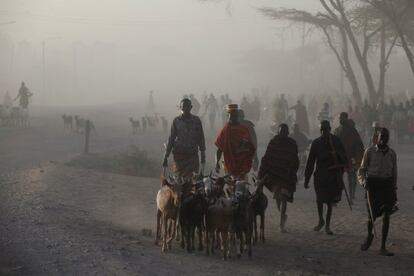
[[185, 141], [235, 143], [378, 174], [278, 169], [329, 155]]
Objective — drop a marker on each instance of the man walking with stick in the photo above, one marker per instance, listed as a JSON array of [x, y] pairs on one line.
[[378, 174]]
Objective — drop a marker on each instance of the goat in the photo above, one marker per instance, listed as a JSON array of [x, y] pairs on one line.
[[67, 122], [243, 217], [135, 125], [192, 210], [168, 202], [79, 124], [259, 204], [219, 221]]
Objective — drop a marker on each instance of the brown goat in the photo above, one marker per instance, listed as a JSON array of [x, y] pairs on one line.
[[168, 202], [219, 221]]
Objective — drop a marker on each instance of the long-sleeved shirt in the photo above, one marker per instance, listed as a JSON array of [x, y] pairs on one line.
[[379, 164], [186, 134]]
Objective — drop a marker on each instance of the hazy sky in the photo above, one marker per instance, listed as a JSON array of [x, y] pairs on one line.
[[171, 46]]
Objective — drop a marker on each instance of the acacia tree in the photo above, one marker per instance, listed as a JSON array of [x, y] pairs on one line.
[[352, 20], [332, 30], [400, 13]]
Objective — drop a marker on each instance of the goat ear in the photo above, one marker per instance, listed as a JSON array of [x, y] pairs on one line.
[[164, 182]]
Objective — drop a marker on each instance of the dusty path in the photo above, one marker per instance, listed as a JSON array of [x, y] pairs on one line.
[[57, 220]]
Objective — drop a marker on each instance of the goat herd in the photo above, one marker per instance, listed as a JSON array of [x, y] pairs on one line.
[[76, 123], [221, 210], [148, 122], [15, 116]]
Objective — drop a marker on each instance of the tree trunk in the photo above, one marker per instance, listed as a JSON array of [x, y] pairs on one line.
[[362, 61], [356, 93], [382, 65], [407, 49]]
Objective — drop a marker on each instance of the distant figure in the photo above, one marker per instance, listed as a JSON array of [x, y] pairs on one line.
[[354, 149], [313, 109], [7, 100], [135, 124], [23, 96], [196, 104], [67, 122], [399, 123], [278, 168], [325, 113], [302, 142], [151, 103], [281, 110], [329, 155], [301, 116], [378, 175], [256, 109], [144, 124], [79, 124], [212, 109], [245, 106], [185, 141], [164, 124]]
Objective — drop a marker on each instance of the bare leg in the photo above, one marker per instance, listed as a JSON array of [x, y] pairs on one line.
[[321, 222], [368, 241], [283, 216], [328, 220], [385, 229]]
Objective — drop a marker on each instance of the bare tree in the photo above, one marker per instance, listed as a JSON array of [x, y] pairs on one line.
[[354, 21], [401, 15], [332, 30]]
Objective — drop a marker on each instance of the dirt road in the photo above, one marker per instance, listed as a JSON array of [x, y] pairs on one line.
[[59, 220]]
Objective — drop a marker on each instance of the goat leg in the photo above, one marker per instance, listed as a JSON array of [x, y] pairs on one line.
[[255, 229], [157, 233], [262, 226], [164, 238]]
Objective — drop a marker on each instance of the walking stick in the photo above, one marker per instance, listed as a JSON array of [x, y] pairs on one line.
[[337, 166], [371, 214]]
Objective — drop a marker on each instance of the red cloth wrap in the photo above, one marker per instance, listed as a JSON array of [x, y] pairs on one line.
[[235, 142]]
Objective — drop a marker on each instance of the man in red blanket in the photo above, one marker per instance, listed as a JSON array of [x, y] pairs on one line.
[[235, 143]]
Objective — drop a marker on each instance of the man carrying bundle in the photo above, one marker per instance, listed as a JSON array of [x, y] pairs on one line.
[[329, 155], [186, 139], [278, 168], [378, 175], [235, 143]]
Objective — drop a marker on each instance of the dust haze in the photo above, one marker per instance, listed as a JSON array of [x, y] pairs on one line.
[[83, 142]]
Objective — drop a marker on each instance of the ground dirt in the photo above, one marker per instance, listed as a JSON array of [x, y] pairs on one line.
[[63, 220]]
